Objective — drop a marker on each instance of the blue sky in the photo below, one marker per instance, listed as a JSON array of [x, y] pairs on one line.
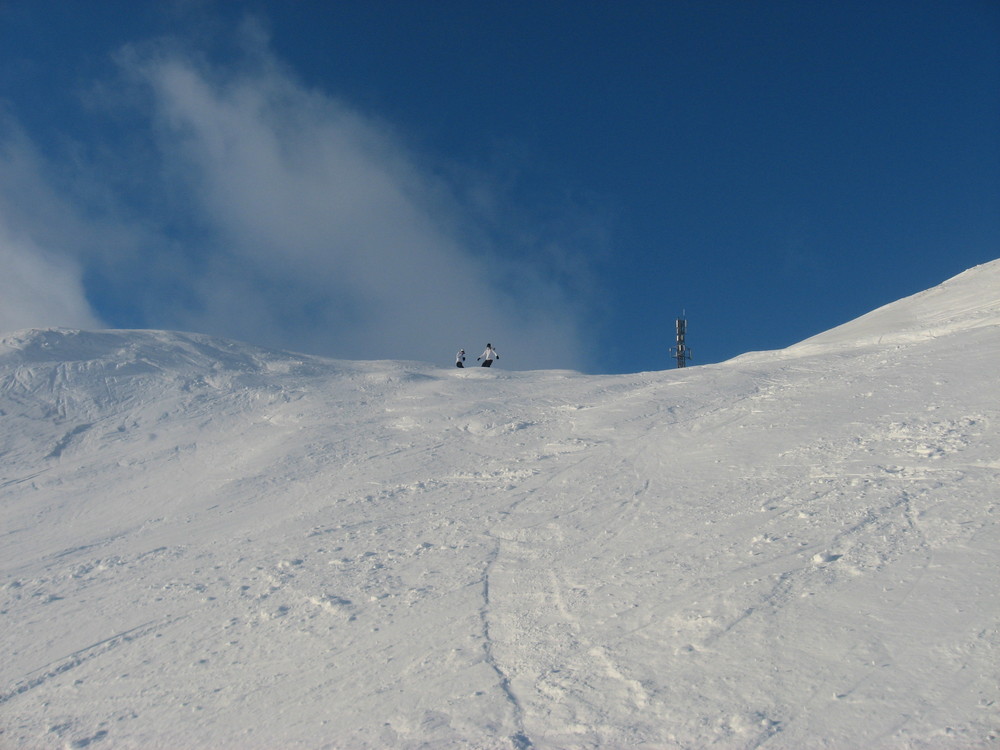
[[375, 180]]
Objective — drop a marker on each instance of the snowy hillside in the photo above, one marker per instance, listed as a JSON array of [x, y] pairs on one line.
[[970, 300], [208, 545]]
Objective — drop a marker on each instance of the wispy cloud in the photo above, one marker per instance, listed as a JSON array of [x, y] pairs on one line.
[[38, 287], [281, 215], [321, 230]]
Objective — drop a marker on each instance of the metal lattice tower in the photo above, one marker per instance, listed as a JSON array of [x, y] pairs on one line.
[[680, 352]]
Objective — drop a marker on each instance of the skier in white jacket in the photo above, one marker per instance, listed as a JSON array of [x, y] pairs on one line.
[[488, 356], [460, 358]]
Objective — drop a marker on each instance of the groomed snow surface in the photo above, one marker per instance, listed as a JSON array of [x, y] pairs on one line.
[[209, 545]]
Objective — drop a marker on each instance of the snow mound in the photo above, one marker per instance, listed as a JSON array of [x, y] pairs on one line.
[[967, 301], [130, 352]]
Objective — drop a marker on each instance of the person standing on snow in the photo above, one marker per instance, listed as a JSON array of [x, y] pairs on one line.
[[460, 358], [488, 356]]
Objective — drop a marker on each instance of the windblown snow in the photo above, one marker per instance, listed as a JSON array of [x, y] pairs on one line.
[[210, 545]]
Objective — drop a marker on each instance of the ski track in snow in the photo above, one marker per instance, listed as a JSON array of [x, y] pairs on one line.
[[210, 545]]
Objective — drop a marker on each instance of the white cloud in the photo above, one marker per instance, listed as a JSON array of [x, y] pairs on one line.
[[324, 233], [238, 202], [39, 288]]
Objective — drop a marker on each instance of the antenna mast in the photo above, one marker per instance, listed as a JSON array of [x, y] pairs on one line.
[[680, 352]]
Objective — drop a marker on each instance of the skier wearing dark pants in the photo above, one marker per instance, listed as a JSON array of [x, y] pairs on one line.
[[460, 358], [488, 356]]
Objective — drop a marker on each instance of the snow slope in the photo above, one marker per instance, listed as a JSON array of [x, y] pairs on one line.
[[970, 300], [208, 545]]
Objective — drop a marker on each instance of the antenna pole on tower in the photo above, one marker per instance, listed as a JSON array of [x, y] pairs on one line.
[[680, 352]]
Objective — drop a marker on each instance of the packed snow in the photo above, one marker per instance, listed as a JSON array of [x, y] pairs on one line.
[[210, 545]]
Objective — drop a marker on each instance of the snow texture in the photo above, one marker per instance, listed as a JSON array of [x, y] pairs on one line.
[[210, 545]]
